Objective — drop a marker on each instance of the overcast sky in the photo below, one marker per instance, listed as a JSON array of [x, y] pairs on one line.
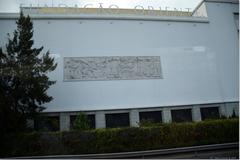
[[13, 5]]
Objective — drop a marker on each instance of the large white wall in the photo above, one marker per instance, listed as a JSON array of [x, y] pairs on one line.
[[199, 60]]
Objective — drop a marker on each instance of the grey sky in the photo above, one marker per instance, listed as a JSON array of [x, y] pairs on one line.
[[13, 5]]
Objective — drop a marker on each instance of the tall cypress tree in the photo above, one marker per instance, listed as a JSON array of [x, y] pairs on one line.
[[23, 79]]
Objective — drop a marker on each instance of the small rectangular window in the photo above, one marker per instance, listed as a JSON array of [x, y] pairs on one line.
[[236, 18], [47, 123], [210, 113], [153, 116], [181, 115], [117, 120]]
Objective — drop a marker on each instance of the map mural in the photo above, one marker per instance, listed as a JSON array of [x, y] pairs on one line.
[[112, 68]]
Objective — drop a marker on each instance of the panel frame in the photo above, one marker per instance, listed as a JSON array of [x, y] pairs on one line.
[[160, 75]]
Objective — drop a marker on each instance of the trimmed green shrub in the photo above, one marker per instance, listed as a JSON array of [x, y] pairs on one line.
[[234, 114], [122, 139], [81, 122], [148, 123]]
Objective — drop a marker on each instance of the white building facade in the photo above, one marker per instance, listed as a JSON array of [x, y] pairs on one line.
[[122, 67]]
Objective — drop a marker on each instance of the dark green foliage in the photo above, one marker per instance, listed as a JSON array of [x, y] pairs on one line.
[[23, 79], [148, 123], [81, 122], [45, 123], [221, 117], [234, 114], [123, 139]]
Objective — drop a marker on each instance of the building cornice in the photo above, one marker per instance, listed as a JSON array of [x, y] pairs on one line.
[[223, 1], [108, 17]]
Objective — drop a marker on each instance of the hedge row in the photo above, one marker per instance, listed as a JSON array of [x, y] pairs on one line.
[[121, 139]]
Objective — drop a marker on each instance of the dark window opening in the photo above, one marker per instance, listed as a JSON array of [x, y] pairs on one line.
[[90, 117], [47, 123], [153, 116], [117, 120], [181, 115], [210, 113], [236, 18]]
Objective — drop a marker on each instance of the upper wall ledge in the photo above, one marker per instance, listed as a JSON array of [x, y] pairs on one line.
[[223, 1], [109, 17]]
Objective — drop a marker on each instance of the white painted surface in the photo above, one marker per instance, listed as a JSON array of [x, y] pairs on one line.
[[199, 60], [200, 11], [64, 122], [196, 113], [134, 118], [100, 119], [166, 115]]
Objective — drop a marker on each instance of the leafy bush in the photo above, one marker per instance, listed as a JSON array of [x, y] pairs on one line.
[[81, 122], [234, 114], [148, 123], [122, 139]]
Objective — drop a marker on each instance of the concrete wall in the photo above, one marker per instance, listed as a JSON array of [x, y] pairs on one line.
[[199, 60]]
